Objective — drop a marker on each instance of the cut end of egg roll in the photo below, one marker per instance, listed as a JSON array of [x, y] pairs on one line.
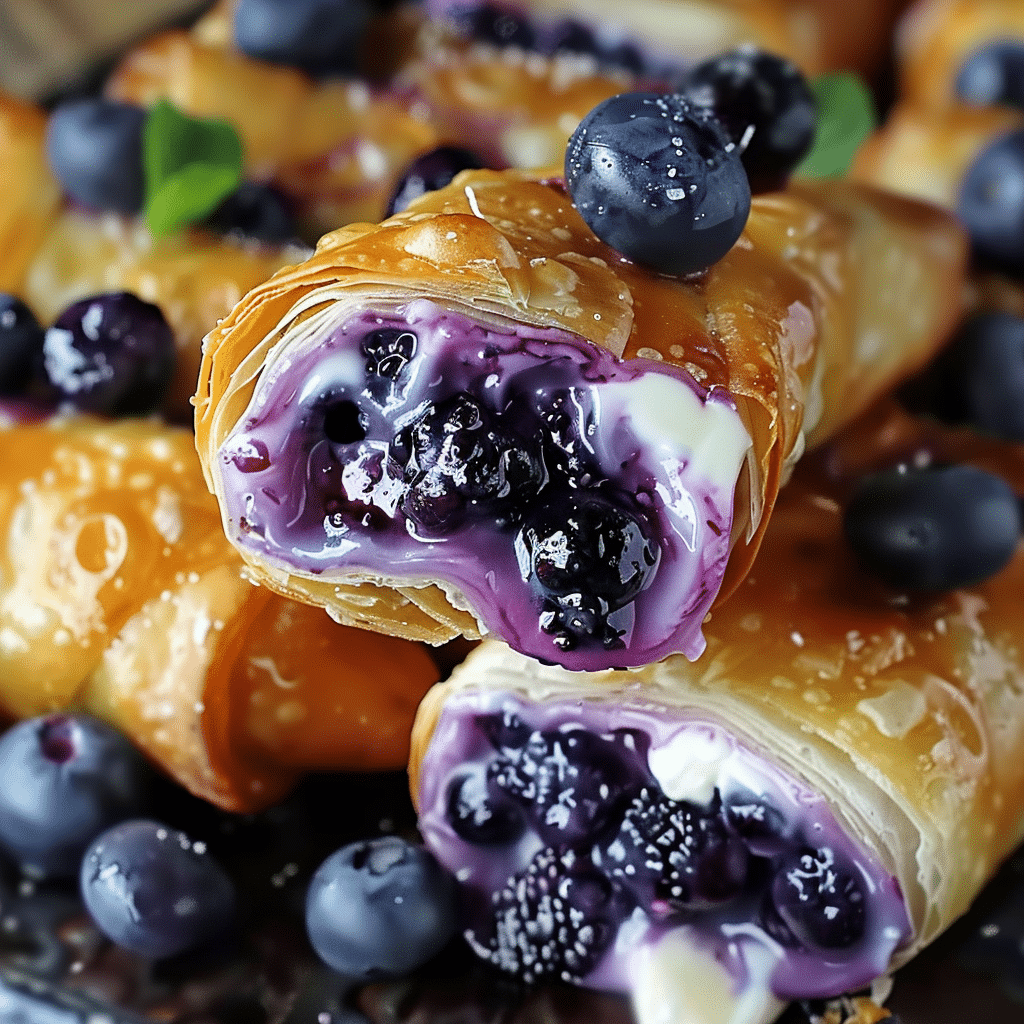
[[478, 419], [791, 817]]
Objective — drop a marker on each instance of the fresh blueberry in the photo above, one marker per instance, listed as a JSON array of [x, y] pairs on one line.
[[586, 557], [552, 921], [431, 171], [496, 24], [991, 203], [151, 889], [254, 211], [461, 461], [572, 782], [983, 374], [819, 902], [623, 56], [657, 178], [66, 779], [481, 816], [21, 346], [673, 855], [379, 909], [571, 36], [111, 354], [766, 105], [933, 529], [993, 74], [321, 37], [94, 147]]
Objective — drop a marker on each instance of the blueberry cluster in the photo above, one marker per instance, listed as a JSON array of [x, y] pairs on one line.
[[111, 354], [666, 179], [94, 147], [583, 544], [613, 843]]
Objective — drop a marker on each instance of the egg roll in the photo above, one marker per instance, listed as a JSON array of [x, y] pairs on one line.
[[120, 596], [476, 418], [793, 816]]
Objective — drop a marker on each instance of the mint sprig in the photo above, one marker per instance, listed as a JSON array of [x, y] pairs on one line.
[[846, 116], [191, 165]]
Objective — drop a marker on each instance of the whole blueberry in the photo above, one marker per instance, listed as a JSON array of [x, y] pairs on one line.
[[380, 908], [66, 779], [983, 370], [991, 203], [658, 178], [111, 354], [933, 529], [318, 36], [429, 172], [256, 212], [766, 105], [993, 74], [499, 24], [94, 147], [480, 814], [21, 346], [152, 890]]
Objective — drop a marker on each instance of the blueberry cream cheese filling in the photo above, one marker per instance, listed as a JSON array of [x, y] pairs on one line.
[[589, 833], [478, 418], [582, 504]]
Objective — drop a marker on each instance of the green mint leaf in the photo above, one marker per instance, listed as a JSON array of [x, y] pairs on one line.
[[846, 116], [191, 166]]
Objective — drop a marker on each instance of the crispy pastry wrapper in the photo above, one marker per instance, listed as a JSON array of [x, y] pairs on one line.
[[800, 325], [906, 713], [119, 595]]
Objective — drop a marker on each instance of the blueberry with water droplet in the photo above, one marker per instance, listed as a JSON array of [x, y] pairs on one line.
[[991, 203], [933, 529], [321, 37], [586, 556], [993, 74], [819, 901], [66, 779], [94, 148], [766, 105], [111, 354], [151, 889], [431, 171], [657, 178], [256, 212], [380, 909], [21, 346]]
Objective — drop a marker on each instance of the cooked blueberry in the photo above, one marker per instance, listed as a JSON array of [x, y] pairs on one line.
[[983, 371], [765, 104], [431, 171], [380, 908], [496, 24], [388, 352], [761, 826], [111, 354], [461, 460], [254, 211], [673, 855], [506, 731], [552, 921], [993, 74], [94, 148], [818, 900], [481, 816], [21, 346], [586, 557], [991, 203], [657, 178], [344, 422], [153, 890], [320, 37], [933, 529], [66, 779], [571, 782]]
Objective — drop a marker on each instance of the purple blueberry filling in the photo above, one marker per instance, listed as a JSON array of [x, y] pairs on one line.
[[581, 504], [574, 857]]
